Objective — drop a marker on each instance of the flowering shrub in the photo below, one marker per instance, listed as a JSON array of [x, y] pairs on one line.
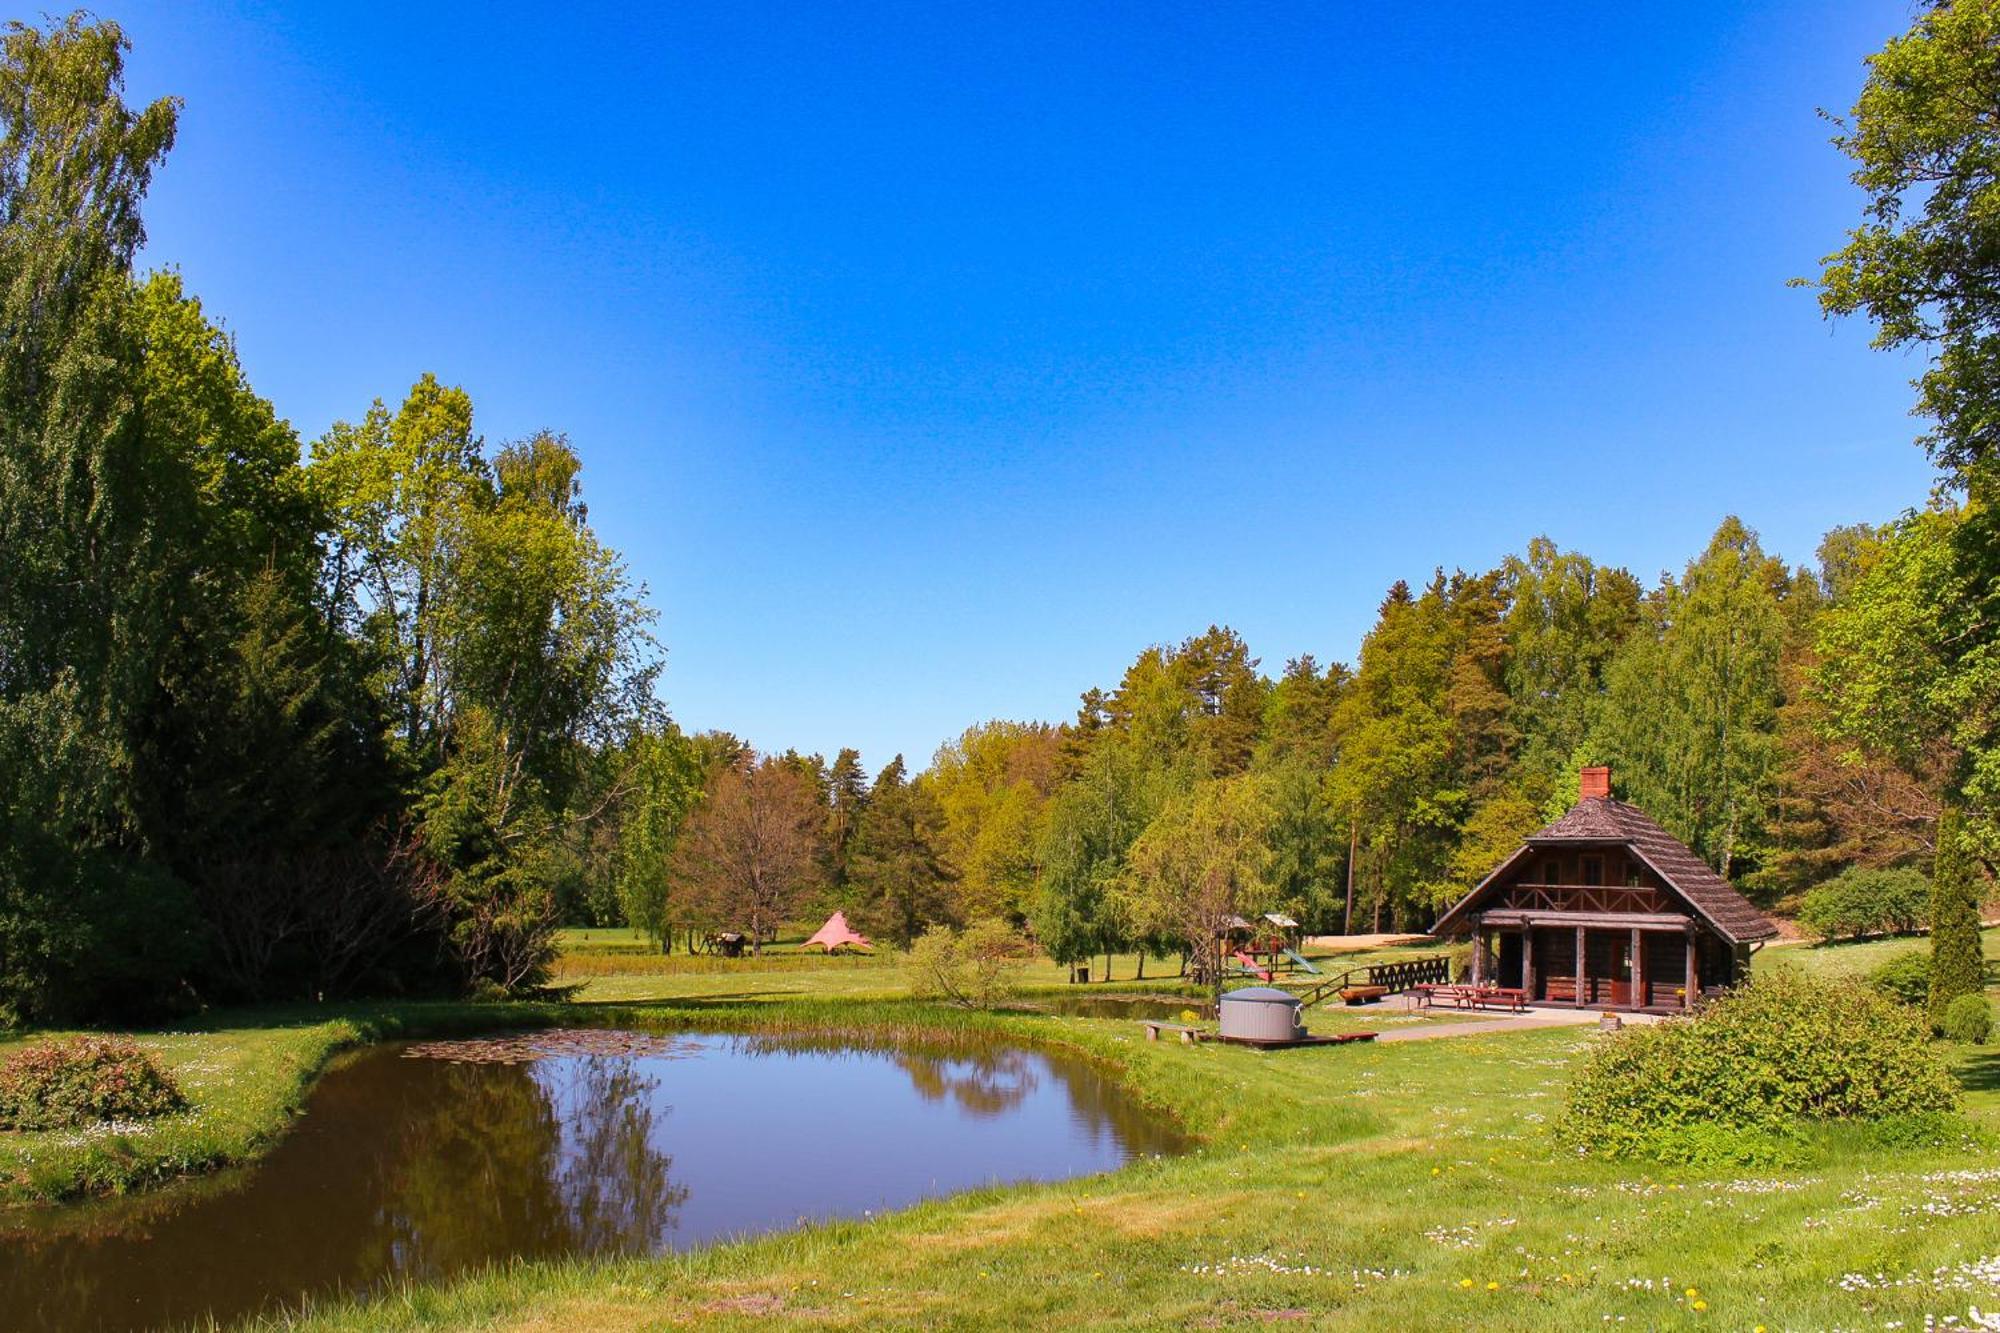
[[81, 1080], [1969, 1019], [1766, 1060]]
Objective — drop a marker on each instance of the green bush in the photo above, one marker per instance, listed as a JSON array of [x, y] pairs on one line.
[[81, 1081], [1459, 959], [976, 968], [1906, 978], [1860, 902], [1969, 1019], [1763, 1063]]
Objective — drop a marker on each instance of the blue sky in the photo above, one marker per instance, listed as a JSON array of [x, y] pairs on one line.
[[928, 361]]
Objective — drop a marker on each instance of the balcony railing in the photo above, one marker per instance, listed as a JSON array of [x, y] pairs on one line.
[[1585, 898]]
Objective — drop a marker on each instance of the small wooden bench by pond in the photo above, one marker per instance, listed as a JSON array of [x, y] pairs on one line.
[[1188, 1035]]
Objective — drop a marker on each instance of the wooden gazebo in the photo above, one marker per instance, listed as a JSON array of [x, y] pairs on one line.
[[1604, 909]]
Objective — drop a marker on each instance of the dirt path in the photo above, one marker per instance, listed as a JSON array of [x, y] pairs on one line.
[[1534, 1018], [1357, 942]]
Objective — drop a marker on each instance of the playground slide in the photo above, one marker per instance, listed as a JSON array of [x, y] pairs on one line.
[[1251, 965], [1301, 962]]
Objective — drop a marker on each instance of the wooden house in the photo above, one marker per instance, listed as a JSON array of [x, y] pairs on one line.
[[1604, 909]]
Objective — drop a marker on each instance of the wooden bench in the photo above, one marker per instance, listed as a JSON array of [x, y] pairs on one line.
[[1474, 997], [1189, 1036], [1363, 994]]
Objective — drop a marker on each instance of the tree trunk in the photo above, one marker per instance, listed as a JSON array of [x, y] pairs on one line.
[[1353, 847]]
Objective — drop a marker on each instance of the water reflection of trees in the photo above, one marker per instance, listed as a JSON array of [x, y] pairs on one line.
[[549, 1158], [418, 1168], [987, 1078], [616, 1187], [984, 1084]]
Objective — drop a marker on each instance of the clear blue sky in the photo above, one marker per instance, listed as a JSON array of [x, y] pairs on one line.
[[930, 360]]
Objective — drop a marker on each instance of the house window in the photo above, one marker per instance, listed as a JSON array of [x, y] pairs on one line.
[[1593, 870]]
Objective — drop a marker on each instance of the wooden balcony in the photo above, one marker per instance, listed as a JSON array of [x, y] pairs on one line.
[[1601, 899]]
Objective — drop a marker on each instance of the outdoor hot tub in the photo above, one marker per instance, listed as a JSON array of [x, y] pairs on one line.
[[1261, 1013]]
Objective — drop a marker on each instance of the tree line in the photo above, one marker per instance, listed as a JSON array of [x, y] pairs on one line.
[[277, 721], [1742, 701], [1789, 721], [375, 712]]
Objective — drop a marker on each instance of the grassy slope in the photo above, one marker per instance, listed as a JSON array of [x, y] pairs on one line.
[[1408, 1185]]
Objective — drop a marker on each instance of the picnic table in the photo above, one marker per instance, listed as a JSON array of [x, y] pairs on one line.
[[1473, 997]]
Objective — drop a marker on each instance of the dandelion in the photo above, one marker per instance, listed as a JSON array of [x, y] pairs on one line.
[[1493, 1286], [1700, 1305], [1465, 1282]]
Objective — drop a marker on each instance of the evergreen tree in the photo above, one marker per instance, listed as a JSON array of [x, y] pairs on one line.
[[897, 877], [1957, 965], [847, 801]]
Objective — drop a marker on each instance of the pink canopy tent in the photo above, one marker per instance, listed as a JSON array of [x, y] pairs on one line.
[[835, 933]]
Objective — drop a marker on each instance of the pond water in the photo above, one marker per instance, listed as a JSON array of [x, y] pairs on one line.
[[417, 1162], [1161, 1008]]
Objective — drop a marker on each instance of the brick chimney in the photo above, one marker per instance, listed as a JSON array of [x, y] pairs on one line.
[[1594, 784]]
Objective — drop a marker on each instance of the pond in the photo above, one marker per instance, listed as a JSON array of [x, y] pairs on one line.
[[1161, 1008], [413, 1162]]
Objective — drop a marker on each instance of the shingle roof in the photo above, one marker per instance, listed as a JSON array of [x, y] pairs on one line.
[[1604, 820]]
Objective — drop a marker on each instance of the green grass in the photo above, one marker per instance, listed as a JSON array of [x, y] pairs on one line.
[[1363, 1187], [1354, 1187], [1858, 959]]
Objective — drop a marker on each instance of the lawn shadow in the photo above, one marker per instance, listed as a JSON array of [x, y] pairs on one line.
[[1981, 1072]]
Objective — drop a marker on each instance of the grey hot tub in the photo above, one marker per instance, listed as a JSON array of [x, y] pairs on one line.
[[1261, 1013]]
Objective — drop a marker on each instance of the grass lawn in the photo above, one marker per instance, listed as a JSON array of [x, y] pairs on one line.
[[1407, 1185], [1858, 959]]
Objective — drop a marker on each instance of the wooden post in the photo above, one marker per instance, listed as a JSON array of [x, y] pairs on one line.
[[1687, 995], [1636, 973], [1528, 961], [1579, 967], [1478, 949]]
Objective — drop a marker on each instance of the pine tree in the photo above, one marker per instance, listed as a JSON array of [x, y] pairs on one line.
[[1957, 966], [896, 874], [847, 800]]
